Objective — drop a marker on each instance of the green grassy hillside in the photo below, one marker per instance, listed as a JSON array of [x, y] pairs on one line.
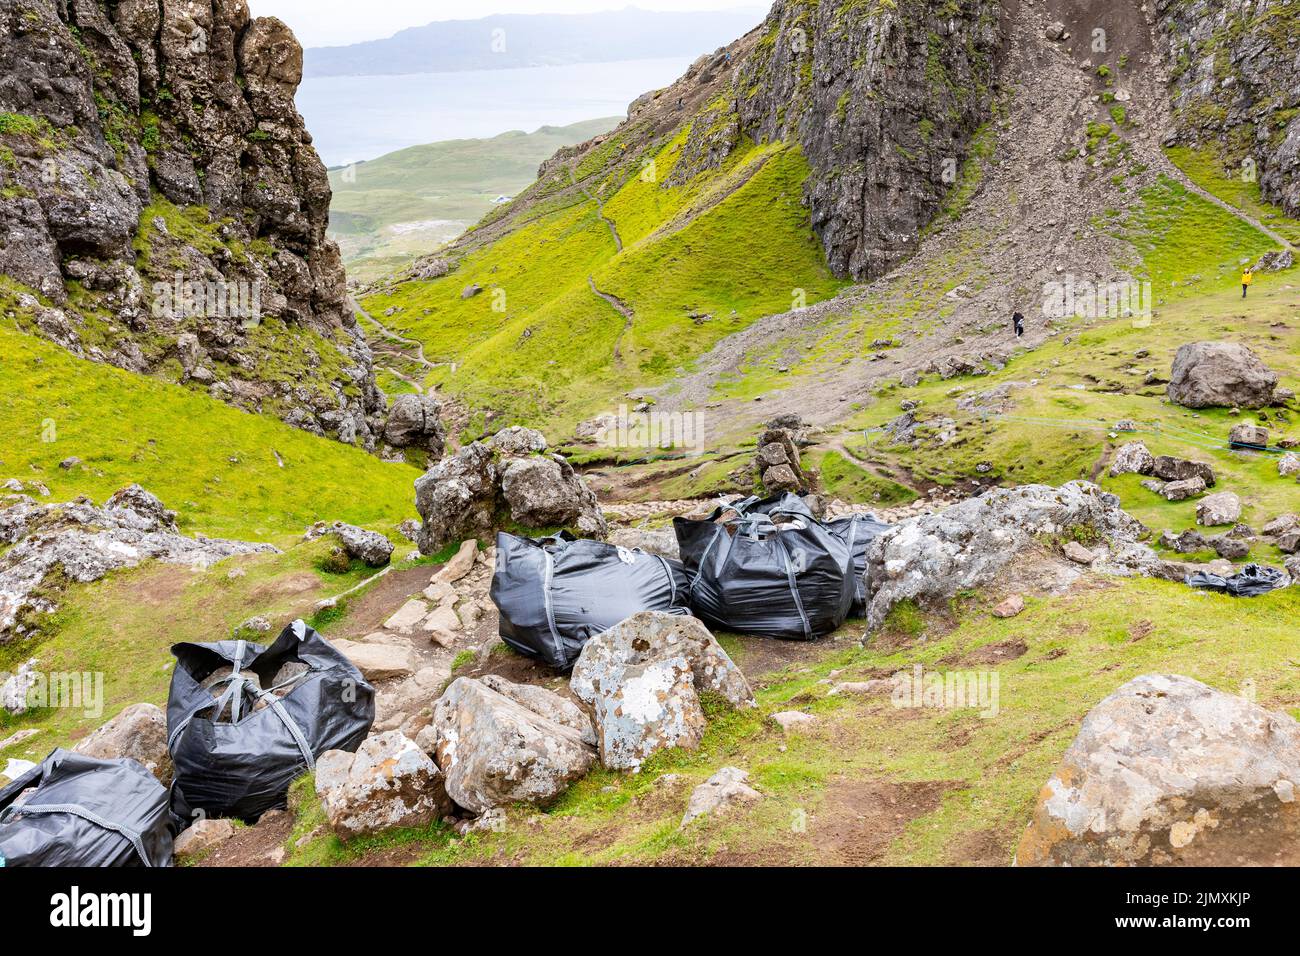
[[541, 344], [227, 473], [391, 209]]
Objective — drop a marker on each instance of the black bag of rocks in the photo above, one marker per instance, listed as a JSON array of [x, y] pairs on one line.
[[244, 720], [769, 567], [858, 532], [80, 811], [554, 594], [1251, 581]]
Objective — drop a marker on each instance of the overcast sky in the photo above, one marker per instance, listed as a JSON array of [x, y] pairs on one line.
[[338, 22]]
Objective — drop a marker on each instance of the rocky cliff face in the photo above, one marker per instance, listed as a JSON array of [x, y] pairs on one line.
[[163, 209], [883, 95], [1236, 85]]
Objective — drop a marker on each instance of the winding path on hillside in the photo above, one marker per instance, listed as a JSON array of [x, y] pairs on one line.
[[413, 344], [1186, 182], [600, 209], [622, 308]]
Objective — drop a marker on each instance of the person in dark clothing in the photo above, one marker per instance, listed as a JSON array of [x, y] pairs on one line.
[[1018, 323]]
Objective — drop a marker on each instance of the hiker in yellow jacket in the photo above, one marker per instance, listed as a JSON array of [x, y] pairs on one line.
[[1247, 277]]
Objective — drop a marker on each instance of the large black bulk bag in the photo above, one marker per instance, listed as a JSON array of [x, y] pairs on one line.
[[858, 531], [235, 757], [772, 569], [85, 812], [555, 594]]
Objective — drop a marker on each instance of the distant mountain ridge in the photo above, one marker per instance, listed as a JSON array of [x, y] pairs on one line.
[[516, 41]]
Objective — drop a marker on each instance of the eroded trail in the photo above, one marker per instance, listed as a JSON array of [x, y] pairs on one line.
[[600, 209], [392, 347], [619, 306]]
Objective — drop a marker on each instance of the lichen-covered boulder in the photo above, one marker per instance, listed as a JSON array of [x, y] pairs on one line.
[[642, 709], [495, 750], [655, 635], [388, 783], [1167, 771]]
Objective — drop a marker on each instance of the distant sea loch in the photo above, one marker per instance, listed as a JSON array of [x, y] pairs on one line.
[[354, 118]]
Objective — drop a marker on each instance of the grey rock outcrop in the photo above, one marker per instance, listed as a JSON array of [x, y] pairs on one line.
[[932, 558], [1220, 374], [85, 542], [1168, 771], [471, 493], [415, 421], [899, 88], [154, 156], [1236, 87]]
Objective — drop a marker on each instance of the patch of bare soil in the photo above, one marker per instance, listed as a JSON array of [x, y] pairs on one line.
[[992, 847], [861, 818], [992, 654], [368, 611], [254, 846]]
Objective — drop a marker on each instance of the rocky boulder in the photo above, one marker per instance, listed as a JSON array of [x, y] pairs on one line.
[[202, 837], [1167, 771], [82, 543], [495, 750], [661, 541], [1132, 459], [544, 491], [655, 635], [1169, 468], [642, 709], [1220, 374], [370, 547], [414, 421], [727, 788], [1182, 490], [643, 679], [472, 492], [1248, 433], [388, 783], [1218, 509], [931, 558], [138, 733]]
